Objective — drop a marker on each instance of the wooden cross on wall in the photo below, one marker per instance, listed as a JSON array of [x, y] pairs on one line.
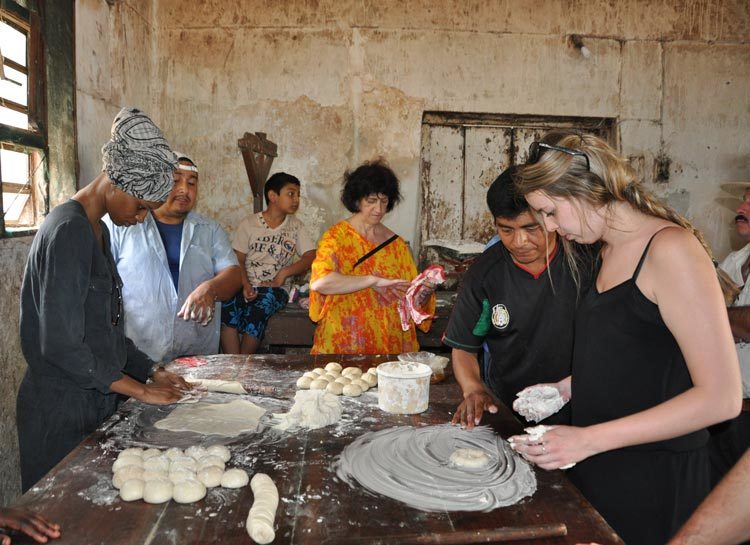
[[257, 153]]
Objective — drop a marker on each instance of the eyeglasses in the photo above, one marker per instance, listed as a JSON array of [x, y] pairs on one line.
[[536, 149]]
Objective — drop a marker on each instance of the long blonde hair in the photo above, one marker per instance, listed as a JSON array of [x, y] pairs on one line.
[[609, 179]]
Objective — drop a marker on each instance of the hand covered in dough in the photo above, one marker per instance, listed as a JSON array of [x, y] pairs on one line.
[[556, 447], [199, 305], [469, 412], [165, 378], [540, 401]]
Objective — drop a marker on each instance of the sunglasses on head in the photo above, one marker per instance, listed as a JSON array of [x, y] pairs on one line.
[[536, 149]]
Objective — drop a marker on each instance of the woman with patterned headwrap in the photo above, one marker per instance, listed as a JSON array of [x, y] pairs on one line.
[[72, 332]]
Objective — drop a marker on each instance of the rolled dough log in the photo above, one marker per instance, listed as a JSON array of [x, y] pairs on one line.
[[265, 501], [225, 386]]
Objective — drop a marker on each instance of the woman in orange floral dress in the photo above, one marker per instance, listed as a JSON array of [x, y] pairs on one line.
[[360, 272]]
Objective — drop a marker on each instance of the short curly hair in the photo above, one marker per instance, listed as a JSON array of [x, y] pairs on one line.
[[370, 178]]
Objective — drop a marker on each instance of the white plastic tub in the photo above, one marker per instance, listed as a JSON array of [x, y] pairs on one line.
[[403, 387]]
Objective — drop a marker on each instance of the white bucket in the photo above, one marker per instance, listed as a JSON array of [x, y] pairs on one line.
[[403, 387]]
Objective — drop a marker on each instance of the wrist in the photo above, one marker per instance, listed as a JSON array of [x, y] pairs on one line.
[[155, 368]]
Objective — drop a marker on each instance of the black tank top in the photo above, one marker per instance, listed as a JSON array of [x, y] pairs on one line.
[[625, 360]]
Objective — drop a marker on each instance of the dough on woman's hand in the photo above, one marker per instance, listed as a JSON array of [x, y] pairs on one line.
[[221, 451], [265, 501], [333, 366], [126, 473], [188, 491], [335, 388], [352, 390], [210, 476], [234, 478], [158, 491], [303, 383], [469, 457], [538, 402], [132, 490]]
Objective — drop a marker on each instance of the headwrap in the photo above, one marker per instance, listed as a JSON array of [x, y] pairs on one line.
[[138, 159], [181, 156]]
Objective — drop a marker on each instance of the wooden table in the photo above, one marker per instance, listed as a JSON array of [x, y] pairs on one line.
[[315, 507]]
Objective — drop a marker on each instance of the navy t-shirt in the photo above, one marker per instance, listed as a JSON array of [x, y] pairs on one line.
[[171, 236]]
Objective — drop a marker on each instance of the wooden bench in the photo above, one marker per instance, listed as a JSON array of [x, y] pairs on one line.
[[291, 331]]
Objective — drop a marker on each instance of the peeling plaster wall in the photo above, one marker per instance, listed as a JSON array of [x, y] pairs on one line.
[[334, 83]]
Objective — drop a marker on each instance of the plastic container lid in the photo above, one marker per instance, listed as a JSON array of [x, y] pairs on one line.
[[400, 369]]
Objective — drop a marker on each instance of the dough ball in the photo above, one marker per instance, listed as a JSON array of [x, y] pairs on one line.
[[189, 491], [159, 491], [181, 474], [132, 490], [133, 451], [185, 462], [373, 370], [303, 383], [361, 383], [196, 452], [333, 366], [125, 474], [469, 457], [129, 460], [210, 476], [210, 460], [173, 453], [352, 390], [351, 372], [330, 376], [150, 453], [370, 378], [221, 451], [335, 388], [319, 384], [319, 371], [234, 478], [155, 475], [343, 380], [158, 463], [310, 375]]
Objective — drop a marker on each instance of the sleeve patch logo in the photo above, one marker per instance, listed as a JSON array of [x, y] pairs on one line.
[[500, 317]]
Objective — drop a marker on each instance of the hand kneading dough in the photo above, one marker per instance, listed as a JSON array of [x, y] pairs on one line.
[[352, 372], [352, 390], [335, 388], [125, 474], [159, 491], [469, 457], [333, 366], [188, 491], [210, 476], [265, 501], [361, 383], [319, 384], [303, 383], [219, 450], [132, 490], [129, 460], [234, 478]]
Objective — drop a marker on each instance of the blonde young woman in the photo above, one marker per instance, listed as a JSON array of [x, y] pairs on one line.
[[654, 361]]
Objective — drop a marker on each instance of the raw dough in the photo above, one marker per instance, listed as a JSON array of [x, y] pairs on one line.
[[319, 371], [311, 375], [129, 460], [335, 388], [319, 384], [210, 476], [210, 460], [363, 385], [132, 490], [150, 453], [352, 372], [538, 402], [370, 378], [234, 478], [125, 474], [352, 390], [157, 463], [155, 474], [226, 386], [158, 491], [312, 409], [181, 474], [185, 462], [330, 376], [221, 451], [304, 383], [173, 453], [133, 451], [188, 491], [333, 366], [469, 457], [228, 419], [343, 380], [265, 501], [196, 452]]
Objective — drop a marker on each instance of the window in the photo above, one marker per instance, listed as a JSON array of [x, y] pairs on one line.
[[22, 141]]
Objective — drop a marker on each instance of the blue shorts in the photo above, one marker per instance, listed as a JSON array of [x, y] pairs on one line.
[[252, 317]]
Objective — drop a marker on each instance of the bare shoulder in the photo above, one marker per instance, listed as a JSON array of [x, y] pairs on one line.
[[674, 246]]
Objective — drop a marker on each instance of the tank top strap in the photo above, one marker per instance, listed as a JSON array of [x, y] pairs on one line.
[[645, 251]]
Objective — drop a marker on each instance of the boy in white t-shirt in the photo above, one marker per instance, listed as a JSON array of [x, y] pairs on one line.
[[268, 244]]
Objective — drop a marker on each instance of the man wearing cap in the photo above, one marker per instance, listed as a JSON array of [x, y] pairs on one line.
[[177, 266], [72, 332], [730, 439]]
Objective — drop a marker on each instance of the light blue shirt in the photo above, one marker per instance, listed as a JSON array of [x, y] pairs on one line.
[[149, 297]]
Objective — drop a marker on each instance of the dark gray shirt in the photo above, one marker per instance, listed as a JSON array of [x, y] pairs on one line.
[[71, 324]]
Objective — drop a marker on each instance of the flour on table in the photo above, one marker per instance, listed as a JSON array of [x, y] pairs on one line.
[[228, 419], [312, 409]]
